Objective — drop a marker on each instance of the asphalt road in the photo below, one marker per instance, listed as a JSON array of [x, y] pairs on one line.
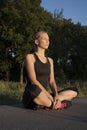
[[17, 118]]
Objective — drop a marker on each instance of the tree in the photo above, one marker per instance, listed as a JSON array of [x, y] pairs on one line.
[[69, 49], [19, 22]]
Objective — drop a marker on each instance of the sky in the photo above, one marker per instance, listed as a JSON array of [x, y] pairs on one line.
[[74, 9]]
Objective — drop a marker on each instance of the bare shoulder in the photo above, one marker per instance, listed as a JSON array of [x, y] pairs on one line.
[[51, 60], [30, 57]]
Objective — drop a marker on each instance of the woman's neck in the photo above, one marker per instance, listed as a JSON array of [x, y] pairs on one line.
[[40, 53]]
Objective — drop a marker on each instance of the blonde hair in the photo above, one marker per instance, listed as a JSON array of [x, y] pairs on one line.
[[39, 33]]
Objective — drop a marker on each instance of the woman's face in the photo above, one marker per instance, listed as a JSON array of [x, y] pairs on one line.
[[43, 41]]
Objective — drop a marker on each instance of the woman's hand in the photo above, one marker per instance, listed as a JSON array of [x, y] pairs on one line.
[[57, 102], [56, 97]]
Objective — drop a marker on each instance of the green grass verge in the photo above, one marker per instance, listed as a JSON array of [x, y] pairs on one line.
[[12, 92], [82, 87]]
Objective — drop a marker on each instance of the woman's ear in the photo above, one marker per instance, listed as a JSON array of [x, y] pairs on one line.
[[36, 42]]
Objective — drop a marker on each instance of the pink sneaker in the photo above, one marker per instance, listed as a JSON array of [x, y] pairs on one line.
[[65, 104]]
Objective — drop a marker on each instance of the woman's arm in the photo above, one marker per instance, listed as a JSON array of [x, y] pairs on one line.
[[30, 60], [52, 80]]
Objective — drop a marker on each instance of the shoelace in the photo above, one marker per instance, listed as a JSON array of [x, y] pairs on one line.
[[63, 105]]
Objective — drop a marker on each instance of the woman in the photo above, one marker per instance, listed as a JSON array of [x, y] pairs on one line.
[[40, 73]]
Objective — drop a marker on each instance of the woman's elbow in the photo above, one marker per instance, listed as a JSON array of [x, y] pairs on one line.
[[51, 82], [33, 81]]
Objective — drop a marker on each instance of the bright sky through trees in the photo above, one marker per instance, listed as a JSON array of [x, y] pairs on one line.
[[74, 9]]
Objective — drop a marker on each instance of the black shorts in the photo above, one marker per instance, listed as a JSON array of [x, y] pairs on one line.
[[29, 96], [34, 91]]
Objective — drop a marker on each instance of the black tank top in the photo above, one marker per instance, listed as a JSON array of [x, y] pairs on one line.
[[42, 71]]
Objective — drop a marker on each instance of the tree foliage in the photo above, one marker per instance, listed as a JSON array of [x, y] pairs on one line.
[[69, 44], [20, 20]]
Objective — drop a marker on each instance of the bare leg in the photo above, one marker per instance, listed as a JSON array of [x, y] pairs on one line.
[[67, 95], [43, 100]]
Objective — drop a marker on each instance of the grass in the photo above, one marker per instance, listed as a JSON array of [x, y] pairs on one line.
[[11, 92]]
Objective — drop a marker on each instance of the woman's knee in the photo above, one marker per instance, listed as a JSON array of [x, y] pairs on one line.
[[67, 95], [42, 99], [74, 94]]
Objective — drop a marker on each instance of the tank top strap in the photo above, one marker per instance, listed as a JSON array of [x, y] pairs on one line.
[[48, 59], [36, 57]]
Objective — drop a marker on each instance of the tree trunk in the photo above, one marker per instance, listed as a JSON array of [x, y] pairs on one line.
[[21, 72]]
